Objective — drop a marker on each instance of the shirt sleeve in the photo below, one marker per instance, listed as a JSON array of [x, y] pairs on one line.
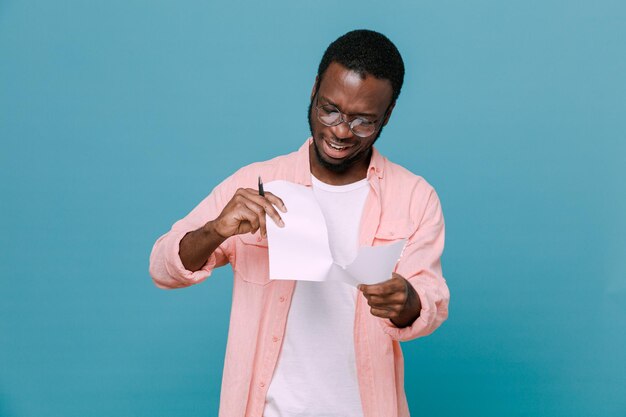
[[166, 267], [420, 264]]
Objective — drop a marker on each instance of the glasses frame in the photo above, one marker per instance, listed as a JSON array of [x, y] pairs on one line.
[[343, 118]]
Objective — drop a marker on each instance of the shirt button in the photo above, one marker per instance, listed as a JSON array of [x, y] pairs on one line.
[[282, 299], [275, 338], [262, 384]]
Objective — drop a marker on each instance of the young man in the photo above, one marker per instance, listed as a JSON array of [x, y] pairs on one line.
[[298, 348]]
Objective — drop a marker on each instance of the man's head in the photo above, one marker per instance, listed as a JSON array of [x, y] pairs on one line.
[[359, 78], [367, 53]]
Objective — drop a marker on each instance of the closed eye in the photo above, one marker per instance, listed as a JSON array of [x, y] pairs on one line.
[[330, 110], [364, 122]]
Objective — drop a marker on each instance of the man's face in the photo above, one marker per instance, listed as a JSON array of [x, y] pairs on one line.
[[338, 151]]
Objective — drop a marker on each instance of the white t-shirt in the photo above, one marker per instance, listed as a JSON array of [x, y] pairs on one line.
[[316, 371]]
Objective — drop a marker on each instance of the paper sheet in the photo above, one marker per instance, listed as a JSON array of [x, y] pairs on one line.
[[300, 250]]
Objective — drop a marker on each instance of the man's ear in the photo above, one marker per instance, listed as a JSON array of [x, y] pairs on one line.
[[315, 85], [389, 113]]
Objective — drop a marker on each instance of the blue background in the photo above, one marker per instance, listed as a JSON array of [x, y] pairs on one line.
[[117, 117]]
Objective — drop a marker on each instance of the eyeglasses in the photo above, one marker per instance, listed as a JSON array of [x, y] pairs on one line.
[[329, 115]]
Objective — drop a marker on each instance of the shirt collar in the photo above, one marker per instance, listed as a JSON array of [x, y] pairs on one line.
[[303, 168]]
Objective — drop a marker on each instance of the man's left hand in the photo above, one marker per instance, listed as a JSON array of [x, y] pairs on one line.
[[394, 299]]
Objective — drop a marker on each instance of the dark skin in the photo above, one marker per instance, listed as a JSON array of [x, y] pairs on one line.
[[368, 97], [244, 213], [353, 96]]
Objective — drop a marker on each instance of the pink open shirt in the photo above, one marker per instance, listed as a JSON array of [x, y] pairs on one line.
[[400, 205]]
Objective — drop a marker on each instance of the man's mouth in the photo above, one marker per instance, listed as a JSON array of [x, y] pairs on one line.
[[339, 148], [336, 150]]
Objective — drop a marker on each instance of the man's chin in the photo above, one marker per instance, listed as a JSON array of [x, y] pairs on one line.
[[334, 165]]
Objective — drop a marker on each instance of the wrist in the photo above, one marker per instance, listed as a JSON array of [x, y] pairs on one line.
[[211, 230]]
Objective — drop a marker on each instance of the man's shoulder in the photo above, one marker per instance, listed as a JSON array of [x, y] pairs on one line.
[[406, 195], [269, 167], [279, 167], [399, 176]]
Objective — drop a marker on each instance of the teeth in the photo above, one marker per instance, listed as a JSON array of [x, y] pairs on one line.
[[339, 148]]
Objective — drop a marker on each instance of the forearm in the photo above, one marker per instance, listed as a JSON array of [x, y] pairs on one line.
[[197, 246]]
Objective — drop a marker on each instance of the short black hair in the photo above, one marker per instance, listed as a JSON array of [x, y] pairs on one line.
[[366, 52]]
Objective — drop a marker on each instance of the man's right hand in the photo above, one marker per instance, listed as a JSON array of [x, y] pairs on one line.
[[244, 213]]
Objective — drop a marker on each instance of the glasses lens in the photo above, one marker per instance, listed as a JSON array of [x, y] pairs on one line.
[[330, 116], [361, 128]]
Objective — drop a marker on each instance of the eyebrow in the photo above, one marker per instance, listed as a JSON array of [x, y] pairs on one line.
[[348, 114]]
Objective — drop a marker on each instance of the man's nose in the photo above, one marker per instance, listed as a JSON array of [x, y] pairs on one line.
[[342, 130]]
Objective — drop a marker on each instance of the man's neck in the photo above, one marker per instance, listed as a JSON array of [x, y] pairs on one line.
[[352, 174], [327, 176]]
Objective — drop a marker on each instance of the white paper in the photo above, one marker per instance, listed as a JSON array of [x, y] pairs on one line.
[[300, 250]]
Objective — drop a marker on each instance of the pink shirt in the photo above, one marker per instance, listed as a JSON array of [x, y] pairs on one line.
[[399, 205]]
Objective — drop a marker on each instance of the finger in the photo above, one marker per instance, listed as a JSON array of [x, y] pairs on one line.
[[392, 285], [376, 289], [378, 303], [398, 297], [265, 204], [392, 302], [271, 197], [248, 220], [260, 214], [383, 300], [277, 201], [368, 290], [271, 212], [385, 314]]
